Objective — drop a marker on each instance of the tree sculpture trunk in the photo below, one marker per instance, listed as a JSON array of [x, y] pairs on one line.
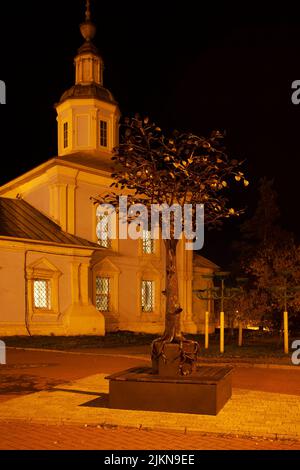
[[172, 321], [172, 333]]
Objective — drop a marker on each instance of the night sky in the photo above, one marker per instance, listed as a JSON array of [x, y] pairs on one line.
[[194, 66]]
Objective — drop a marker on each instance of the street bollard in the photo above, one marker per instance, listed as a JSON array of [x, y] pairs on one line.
[[240, 334], [286, 332], [221, 332], [206, 329]]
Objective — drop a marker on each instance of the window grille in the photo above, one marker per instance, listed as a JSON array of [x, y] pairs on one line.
[[103, 231], [102, 293], [148, 242], [66, 135], [103, 133], [42, 294], [147, 295]]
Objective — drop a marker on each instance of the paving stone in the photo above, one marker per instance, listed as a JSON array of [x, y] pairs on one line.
[[73, 403], [32, 436]]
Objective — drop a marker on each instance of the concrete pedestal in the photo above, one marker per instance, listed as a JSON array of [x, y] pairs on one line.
[[204, 392]]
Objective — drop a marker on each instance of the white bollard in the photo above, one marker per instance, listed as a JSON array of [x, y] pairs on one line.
[[206, 329], [221, 332], [286, 332], [240, 334]]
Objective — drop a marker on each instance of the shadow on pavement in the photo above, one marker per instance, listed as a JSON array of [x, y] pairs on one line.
[[100, 402], [23, 384]]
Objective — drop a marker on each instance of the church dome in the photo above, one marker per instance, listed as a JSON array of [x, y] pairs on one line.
[[91, 90], [87, 112]]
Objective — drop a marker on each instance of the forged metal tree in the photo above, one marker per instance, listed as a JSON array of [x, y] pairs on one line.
[[151, 168]]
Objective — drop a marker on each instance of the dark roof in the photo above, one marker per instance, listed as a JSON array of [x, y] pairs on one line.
[[91, 160], [92, 90], [88, 47], [201, 262], [18, 219]]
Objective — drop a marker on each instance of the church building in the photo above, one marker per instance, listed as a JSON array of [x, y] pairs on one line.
[[60, 271]]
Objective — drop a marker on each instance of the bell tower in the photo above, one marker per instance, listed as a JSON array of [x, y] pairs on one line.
[[87, 114]]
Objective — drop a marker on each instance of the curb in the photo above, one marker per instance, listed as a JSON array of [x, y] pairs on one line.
[[179, 429], [253, 365], [147, 358], [75, 353]]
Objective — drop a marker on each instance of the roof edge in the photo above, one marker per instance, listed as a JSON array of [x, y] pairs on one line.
[[207, 261], [39, 169], [49, 243]]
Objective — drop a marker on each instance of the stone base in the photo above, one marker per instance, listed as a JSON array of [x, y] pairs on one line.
[[204, 392], [13, 329], [83, 320]]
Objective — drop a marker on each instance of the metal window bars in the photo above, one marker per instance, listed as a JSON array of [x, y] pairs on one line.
[[103, 133], [147, 296], [148, 242], [103, 231], [42, 294], [66, 134], [103, 294]]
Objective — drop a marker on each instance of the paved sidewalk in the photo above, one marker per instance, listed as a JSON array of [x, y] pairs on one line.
[[33, 436], [48, 394], [248, 413]]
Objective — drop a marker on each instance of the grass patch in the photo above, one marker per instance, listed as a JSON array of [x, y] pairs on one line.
[[264, 347], [110, 340]]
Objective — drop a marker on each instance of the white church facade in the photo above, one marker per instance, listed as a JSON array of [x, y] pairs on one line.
[[60, 272]]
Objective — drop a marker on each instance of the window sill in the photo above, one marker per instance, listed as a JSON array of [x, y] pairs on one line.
[[44, 316]]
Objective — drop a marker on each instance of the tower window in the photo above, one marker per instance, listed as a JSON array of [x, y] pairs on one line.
[[102, 293], [42, 293], [103, 231], [66, 135], [103, 133], [147, 296], [148, 242]]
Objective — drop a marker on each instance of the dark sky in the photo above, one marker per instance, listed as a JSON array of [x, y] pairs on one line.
[[192, 66]]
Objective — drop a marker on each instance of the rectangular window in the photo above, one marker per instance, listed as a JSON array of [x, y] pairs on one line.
[[147, 294], [66, 135], [102, 293], [103, 133], [103, 231], [148, 242], [42, 293]]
